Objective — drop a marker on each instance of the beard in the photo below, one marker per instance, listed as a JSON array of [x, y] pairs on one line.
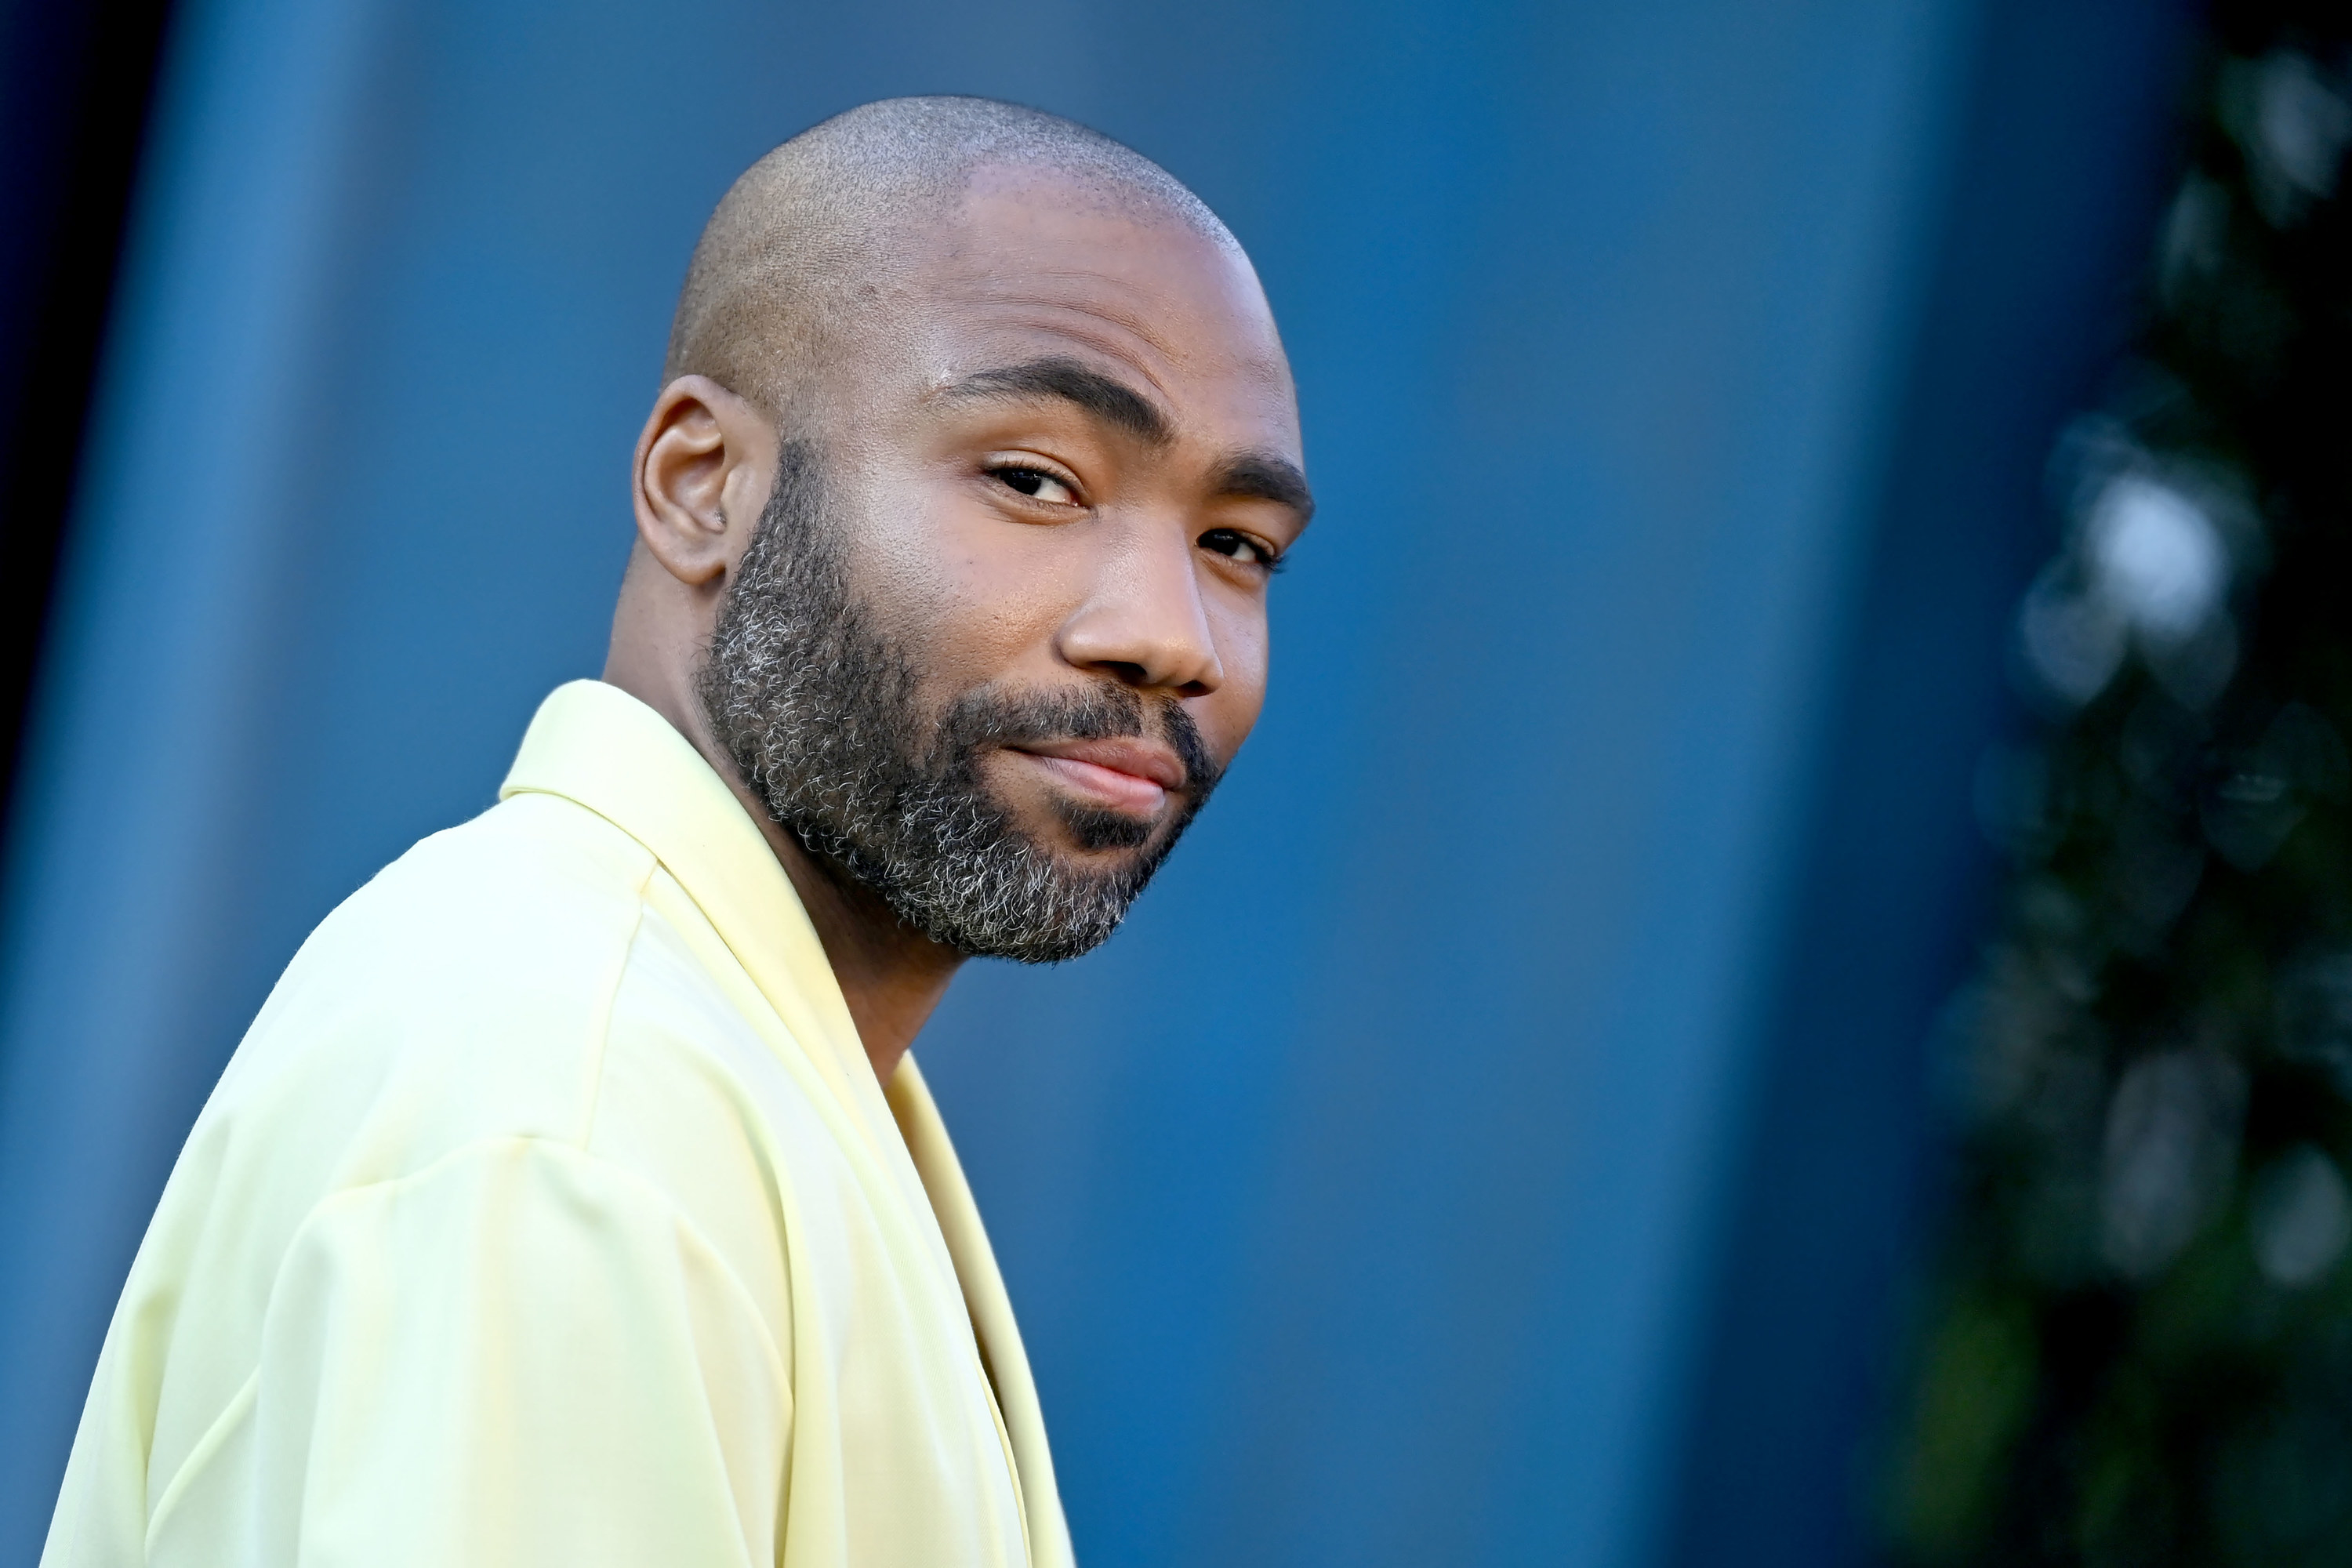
[[826, 716]]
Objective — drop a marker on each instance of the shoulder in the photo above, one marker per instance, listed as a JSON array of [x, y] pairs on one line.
[[511, 895], [461, 994], [457, 1000]]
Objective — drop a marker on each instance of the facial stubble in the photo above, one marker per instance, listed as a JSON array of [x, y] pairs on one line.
[[825, 715]]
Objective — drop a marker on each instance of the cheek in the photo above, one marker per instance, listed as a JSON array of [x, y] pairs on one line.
[[941, 572], [1227, 715]]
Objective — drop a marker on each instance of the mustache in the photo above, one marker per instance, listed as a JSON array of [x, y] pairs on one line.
[[1099, 711]]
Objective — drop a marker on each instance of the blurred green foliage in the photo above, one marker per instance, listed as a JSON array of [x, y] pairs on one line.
[[2139, 1349]]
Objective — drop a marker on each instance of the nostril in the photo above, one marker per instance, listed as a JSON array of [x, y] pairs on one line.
[[1132, 674]]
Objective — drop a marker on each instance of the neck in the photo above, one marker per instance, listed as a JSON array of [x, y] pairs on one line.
[[891, 975]]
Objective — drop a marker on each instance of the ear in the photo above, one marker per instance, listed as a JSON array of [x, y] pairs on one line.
[[705, 462]]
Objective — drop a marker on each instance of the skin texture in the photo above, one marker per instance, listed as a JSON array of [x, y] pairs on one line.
[[1141, 558]]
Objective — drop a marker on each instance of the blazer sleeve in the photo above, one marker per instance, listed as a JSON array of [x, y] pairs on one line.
[[520, 1355]]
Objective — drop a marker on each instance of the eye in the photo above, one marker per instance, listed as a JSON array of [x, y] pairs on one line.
[[1236, 545], [1035, 483]]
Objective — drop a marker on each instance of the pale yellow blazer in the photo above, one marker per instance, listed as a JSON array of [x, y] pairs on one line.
[[551, 1213]]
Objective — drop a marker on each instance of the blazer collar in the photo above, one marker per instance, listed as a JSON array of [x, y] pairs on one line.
[[598, 747]]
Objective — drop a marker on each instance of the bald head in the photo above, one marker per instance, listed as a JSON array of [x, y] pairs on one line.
[[809, 240]]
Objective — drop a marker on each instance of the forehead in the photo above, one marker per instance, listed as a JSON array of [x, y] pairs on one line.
[[1038, 266]]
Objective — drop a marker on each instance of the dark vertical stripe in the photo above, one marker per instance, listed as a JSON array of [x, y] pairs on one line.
[[76, 81]]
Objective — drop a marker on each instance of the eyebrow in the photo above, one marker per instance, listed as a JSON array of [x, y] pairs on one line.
[[1260, 476], [1256, 476], [1105, 397]]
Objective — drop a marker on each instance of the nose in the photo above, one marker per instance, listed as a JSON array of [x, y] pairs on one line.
[[1144, 623]]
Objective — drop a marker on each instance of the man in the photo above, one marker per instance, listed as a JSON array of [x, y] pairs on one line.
[[574, 1198]]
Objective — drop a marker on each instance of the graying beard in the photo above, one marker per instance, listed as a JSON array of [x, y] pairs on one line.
[[818, 710]]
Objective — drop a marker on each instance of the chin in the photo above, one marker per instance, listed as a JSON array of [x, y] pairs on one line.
[[1096, 836]]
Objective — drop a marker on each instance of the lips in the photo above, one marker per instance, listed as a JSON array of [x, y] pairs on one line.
[[1123, 772], [1122, 755]]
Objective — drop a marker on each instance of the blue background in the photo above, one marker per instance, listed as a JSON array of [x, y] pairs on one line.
[[1497, 1137]]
